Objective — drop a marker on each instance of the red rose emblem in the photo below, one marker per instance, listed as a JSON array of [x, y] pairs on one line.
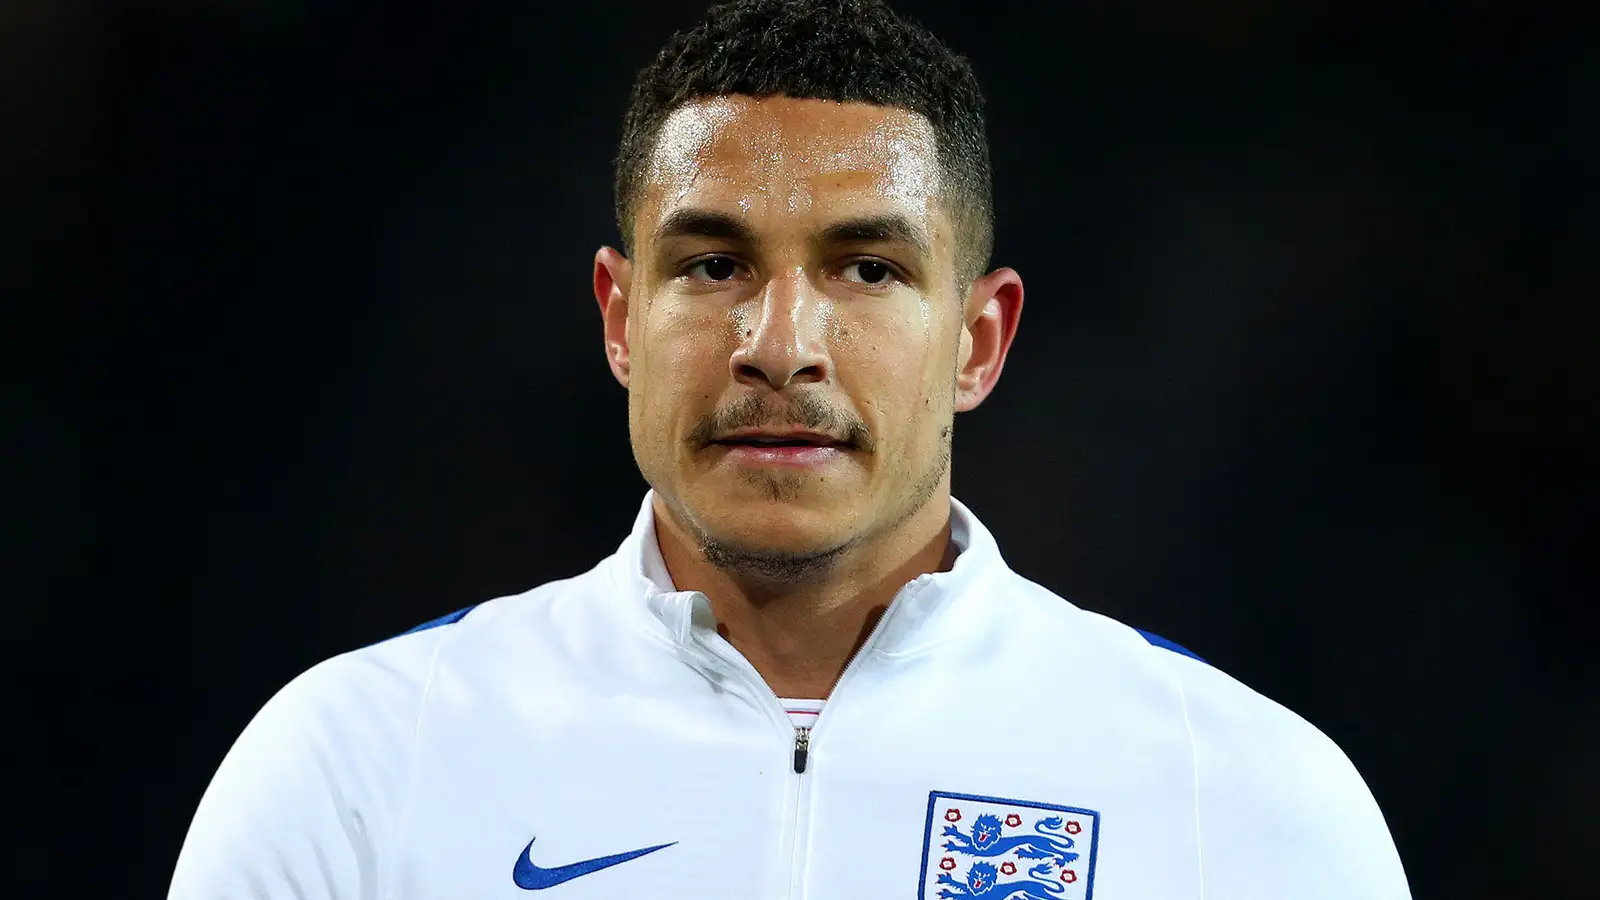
[[947, 864], [952, 815], [1073, 827], [1013, 820], [1069, 876], [1009, 868]]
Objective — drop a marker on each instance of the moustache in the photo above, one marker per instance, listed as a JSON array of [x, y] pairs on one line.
[[806, 411]]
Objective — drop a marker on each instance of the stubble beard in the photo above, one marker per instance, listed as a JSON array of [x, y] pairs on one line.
[[780, 568]]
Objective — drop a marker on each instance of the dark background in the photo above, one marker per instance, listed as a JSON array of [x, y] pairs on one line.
[[305, 354]]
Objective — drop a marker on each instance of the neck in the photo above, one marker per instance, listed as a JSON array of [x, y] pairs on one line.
[[799, 634]]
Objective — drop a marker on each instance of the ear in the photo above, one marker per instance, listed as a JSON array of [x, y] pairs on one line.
[[993, 309], [612, 275]]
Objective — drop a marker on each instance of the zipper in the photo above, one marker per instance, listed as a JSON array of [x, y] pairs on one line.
[[788, 881], [793, 848], [802, 748], [796, 841], [796, 845]]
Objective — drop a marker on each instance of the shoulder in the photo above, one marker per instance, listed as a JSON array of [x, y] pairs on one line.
[[378, 691], [341, 711], [394, 674], [1246, 739], [333, 716], [1282, 811], [307, 800], [1219, 707], [1056, 621]]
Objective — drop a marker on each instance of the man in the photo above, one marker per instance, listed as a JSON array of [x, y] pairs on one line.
[[807, 672]]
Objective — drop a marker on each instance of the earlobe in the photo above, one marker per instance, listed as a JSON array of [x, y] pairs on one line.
[[613, 274]]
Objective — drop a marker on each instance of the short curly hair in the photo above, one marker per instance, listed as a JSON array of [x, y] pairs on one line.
[[840, 50]]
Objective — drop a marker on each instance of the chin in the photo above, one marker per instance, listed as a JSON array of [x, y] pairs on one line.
[[776, 515]]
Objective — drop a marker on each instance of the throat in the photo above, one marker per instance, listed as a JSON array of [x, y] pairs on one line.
[[799, 658]]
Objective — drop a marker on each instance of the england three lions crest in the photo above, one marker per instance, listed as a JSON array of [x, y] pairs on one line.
[[989, 848]]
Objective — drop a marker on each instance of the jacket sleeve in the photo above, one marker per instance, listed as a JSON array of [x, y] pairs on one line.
[[304, 803], [1282, 811]]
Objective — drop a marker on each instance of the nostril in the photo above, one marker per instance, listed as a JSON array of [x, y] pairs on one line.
[[807, 373], [777, 369]]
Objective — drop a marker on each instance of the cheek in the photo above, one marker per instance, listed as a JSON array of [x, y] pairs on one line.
[[898, 327], [900, 360], [687, 347]]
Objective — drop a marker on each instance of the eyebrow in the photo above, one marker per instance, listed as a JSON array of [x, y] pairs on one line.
[[888, 228], [691, 222], [704, 223]]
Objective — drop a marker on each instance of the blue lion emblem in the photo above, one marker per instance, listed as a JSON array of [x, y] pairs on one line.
[[986, 841], [983, 880]]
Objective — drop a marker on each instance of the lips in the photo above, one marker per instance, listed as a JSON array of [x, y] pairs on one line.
[[783, 449], [778, 439]]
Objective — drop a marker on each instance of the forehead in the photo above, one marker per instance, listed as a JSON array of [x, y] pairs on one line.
[[784, 154]]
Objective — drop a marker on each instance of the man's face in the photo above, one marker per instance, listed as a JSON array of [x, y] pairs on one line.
[[792, 331]]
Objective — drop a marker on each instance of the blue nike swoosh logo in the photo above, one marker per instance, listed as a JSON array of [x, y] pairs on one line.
[[530, 877]]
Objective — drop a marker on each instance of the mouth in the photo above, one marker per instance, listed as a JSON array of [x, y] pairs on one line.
[[779, 439], [784, 449]]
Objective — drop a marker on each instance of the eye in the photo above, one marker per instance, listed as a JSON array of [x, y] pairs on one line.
[[868, 271], [714, 268]]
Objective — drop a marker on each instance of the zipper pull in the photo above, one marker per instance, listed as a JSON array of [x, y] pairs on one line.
[[802, 746]]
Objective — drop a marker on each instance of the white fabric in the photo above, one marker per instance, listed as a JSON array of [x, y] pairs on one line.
[[603, 714]]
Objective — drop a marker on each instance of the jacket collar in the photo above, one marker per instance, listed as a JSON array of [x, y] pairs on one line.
[[922, 613]]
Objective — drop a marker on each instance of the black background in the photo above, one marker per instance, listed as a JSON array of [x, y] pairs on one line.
[[1306, 378]]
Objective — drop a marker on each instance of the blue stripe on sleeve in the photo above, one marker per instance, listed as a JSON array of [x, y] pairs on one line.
[[448, 619], [1159, 641]]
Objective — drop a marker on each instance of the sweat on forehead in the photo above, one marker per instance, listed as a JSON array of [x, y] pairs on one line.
[[783, 154]]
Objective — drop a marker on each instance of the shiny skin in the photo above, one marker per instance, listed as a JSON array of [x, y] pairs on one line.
[[866, 338]]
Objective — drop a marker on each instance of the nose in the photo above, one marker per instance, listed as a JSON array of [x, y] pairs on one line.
[[783, 340]]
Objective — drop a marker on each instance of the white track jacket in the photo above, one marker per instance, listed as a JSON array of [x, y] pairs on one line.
[[595, 738]]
